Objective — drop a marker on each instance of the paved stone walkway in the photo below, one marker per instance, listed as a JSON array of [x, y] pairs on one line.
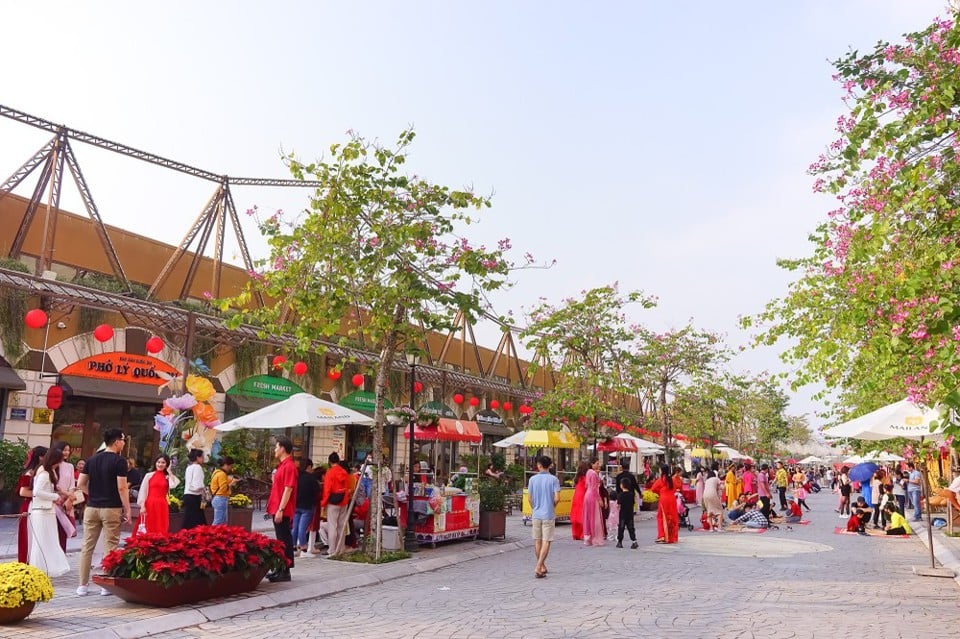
[[799, 583]]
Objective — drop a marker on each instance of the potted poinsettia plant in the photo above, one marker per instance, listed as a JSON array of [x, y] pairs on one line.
[[21, 587], [170, 570]]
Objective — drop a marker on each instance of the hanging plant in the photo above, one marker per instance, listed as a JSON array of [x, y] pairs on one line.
[[13, 306]]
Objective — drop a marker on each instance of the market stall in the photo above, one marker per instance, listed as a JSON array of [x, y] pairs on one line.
[[544, 439], [443, 513]]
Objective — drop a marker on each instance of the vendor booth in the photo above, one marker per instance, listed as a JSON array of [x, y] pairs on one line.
[[443, 513], [544, 439]]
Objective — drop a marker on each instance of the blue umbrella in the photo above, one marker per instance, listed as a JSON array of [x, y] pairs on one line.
[[862, 472]]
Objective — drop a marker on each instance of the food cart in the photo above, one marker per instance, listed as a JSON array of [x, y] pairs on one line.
[[544, 439], [442, 513]]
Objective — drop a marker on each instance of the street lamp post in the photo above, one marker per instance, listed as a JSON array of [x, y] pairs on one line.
[[409, 534]]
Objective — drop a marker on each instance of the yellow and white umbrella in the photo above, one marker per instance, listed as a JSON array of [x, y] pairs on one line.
[[540, 439]]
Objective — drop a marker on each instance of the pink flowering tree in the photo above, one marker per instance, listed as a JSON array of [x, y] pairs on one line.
[[378, 256], [874, 313], [586, 340]]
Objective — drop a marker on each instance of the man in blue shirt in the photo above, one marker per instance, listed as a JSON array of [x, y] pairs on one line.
[[914, 489], [544, 493]]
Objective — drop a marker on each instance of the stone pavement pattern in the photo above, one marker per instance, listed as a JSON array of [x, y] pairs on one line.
[[805, 582]]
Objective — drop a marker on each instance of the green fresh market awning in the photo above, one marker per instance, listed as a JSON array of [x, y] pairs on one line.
[[265, 387], [438, 408], [364, 402]]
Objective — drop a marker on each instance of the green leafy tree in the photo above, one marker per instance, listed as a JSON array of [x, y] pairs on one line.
[[376, 256], [586, 341], [663, 361], [875, 311]]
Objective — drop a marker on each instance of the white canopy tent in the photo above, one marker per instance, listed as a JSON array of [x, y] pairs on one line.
[[900, 419], [301, 409], [812, 459], [732, 453]]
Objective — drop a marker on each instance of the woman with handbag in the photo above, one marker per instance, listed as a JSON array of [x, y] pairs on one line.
[[154, 510]]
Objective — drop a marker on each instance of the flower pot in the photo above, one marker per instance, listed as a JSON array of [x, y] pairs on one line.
[[242, 517], [13, 615], [153, 593], [493, 524]]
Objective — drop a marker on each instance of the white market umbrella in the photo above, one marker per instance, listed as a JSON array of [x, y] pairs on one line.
[[302, 409], [644, 446], [900, 419], [732, 453], [812, 459], [882, 457], [853, 459]]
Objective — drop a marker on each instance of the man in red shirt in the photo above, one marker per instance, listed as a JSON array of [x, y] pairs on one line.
[[282, 502]]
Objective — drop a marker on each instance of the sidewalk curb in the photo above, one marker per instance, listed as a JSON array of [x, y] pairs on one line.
[[295, 592], [943, 554]]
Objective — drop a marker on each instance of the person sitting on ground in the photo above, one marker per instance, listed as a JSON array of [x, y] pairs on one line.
[[751, 518], [897, 523], [858, 521], [862, 504], [794, 514], [736, 510]]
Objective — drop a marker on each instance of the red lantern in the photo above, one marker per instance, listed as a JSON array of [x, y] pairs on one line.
[[103, 332], [358, 380], [54, 397], [300, 368], [494, 404], [35, 318], [279, 361], [508, 406], [457, 398], [154, 344], [334, 374], [417, 387], [474, 401]]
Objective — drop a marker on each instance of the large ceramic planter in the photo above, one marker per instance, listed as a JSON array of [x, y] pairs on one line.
[[242, 517], [153, 593], [493, 524], [13, 615]]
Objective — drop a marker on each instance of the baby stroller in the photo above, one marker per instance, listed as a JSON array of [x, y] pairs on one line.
[[683, 512]]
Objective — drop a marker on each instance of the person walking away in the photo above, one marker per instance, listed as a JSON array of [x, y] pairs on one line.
[[104, 480], [544, 493], [914, 488], [66, 488], [221, 487], [781, 479], [712, 502], [593, 534], [668, 520], [576, 505], [307, 489], [45, 552], [627, 490], [282, 501], [763, 491], [25, 490], [336, 501], [152, 498]]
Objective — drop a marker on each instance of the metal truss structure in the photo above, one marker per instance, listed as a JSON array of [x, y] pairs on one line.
[[177, 325]]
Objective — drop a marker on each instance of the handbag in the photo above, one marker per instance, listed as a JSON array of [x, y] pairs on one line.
[[78, 497], [142, 523], [336, 499]]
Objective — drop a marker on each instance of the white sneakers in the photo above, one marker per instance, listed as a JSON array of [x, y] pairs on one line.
[[82, 591]]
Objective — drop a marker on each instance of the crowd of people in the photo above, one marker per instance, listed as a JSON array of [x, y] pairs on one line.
[[305, 503]]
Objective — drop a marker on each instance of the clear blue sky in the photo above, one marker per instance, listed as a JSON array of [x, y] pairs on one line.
[[660, 145]]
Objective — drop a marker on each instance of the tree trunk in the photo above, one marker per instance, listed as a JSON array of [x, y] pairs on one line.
[[380, 389]]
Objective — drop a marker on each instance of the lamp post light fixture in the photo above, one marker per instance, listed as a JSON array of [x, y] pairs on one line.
[[409, 534]]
